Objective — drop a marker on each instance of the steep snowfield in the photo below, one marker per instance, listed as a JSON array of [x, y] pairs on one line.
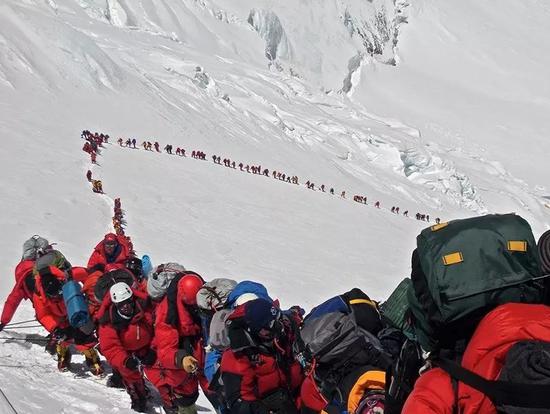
[[441, 115], [479, 69]]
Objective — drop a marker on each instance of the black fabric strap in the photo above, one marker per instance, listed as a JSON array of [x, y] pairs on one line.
[[500, 392], [172, 316]]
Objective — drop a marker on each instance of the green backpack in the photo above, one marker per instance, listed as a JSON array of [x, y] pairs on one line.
[[395, 310], [463, 269]]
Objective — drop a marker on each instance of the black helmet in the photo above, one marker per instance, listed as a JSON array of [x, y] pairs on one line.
[[52, 286], [135, 266]]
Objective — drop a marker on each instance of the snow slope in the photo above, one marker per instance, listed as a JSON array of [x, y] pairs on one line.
[[344, 93]]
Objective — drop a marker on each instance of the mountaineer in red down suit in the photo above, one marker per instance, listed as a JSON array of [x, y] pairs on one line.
[[179, 345], [33, 248], [259, 372], [52, 315], [125, 335], [23, 289], [485, 355], [112, 249]]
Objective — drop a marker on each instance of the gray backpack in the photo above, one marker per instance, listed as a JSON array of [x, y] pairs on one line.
[[160, 278], [218, 336], [331, 338], [35, 247], [214, 294], [52, 258]]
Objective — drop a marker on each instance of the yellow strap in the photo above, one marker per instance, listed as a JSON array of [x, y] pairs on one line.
[[359, 301], [517, 245], [439, 226], [452, 258]]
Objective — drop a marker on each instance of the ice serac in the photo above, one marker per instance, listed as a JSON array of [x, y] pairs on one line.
[[269, 27], [375, 24], [441, 176]]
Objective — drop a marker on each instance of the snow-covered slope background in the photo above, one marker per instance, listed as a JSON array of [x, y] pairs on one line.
[[436, 107]]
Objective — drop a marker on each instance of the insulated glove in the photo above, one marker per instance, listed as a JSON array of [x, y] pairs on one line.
[[149, 358], [132, 363], [59, 334], [190, 364]]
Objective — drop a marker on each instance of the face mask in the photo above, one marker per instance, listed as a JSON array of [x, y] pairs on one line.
[[272, 332], [126, 309]]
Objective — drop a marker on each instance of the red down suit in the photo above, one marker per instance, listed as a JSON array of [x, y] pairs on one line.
[[119, 339], [100, 258], [177, 333], [19, 292], [252, 375], [496, 334]]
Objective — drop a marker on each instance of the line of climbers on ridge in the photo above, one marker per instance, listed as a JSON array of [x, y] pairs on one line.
[[92, 146], [258, 170], [472, 319]]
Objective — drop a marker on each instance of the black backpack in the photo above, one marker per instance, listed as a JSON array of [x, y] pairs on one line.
[[338, 336]]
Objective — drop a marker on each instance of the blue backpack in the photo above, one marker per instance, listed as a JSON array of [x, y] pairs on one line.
[[247, 286]]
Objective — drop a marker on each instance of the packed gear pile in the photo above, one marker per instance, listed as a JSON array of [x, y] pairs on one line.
[[468, 332], [171, 329]]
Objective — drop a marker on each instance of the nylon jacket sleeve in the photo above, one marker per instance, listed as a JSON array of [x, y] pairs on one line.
[[166, 338], [44, 315], [212, 363], [12, 303], [238, 381], [96, 258], [111, 347], [432, 394], [80, 274]]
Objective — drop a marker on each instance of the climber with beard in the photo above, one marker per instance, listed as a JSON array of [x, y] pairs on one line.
[[259, 373]]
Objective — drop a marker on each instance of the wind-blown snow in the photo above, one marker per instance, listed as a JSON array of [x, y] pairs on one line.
[[436, 107]]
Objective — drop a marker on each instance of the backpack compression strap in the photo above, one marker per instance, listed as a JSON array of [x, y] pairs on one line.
[[500, 392]]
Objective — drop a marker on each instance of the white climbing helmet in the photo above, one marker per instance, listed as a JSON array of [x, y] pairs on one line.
[[120, 292], [245, 297]]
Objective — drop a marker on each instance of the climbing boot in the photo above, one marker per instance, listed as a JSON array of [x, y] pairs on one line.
[[93, 362], [188, 409], [63, 357]]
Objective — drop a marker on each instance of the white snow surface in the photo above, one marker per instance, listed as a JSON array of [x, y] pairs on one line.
[[436, 107]]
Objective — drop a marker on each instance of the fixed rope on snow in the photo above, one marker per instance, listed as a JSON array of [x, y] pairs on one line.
[[9, 406]]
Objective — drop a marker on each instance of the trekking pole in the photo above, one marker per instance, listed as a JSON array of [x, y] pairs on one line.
[[16, 328], [8, 404], [31, 340], [21, 322]]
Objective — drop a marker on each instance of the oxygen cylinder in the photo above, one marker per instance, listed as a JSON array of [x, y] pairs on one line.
[[77, 309]]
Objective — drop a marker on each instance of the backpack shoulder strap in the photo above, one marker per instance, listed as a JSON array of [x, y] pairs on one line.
[[499, 392]]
